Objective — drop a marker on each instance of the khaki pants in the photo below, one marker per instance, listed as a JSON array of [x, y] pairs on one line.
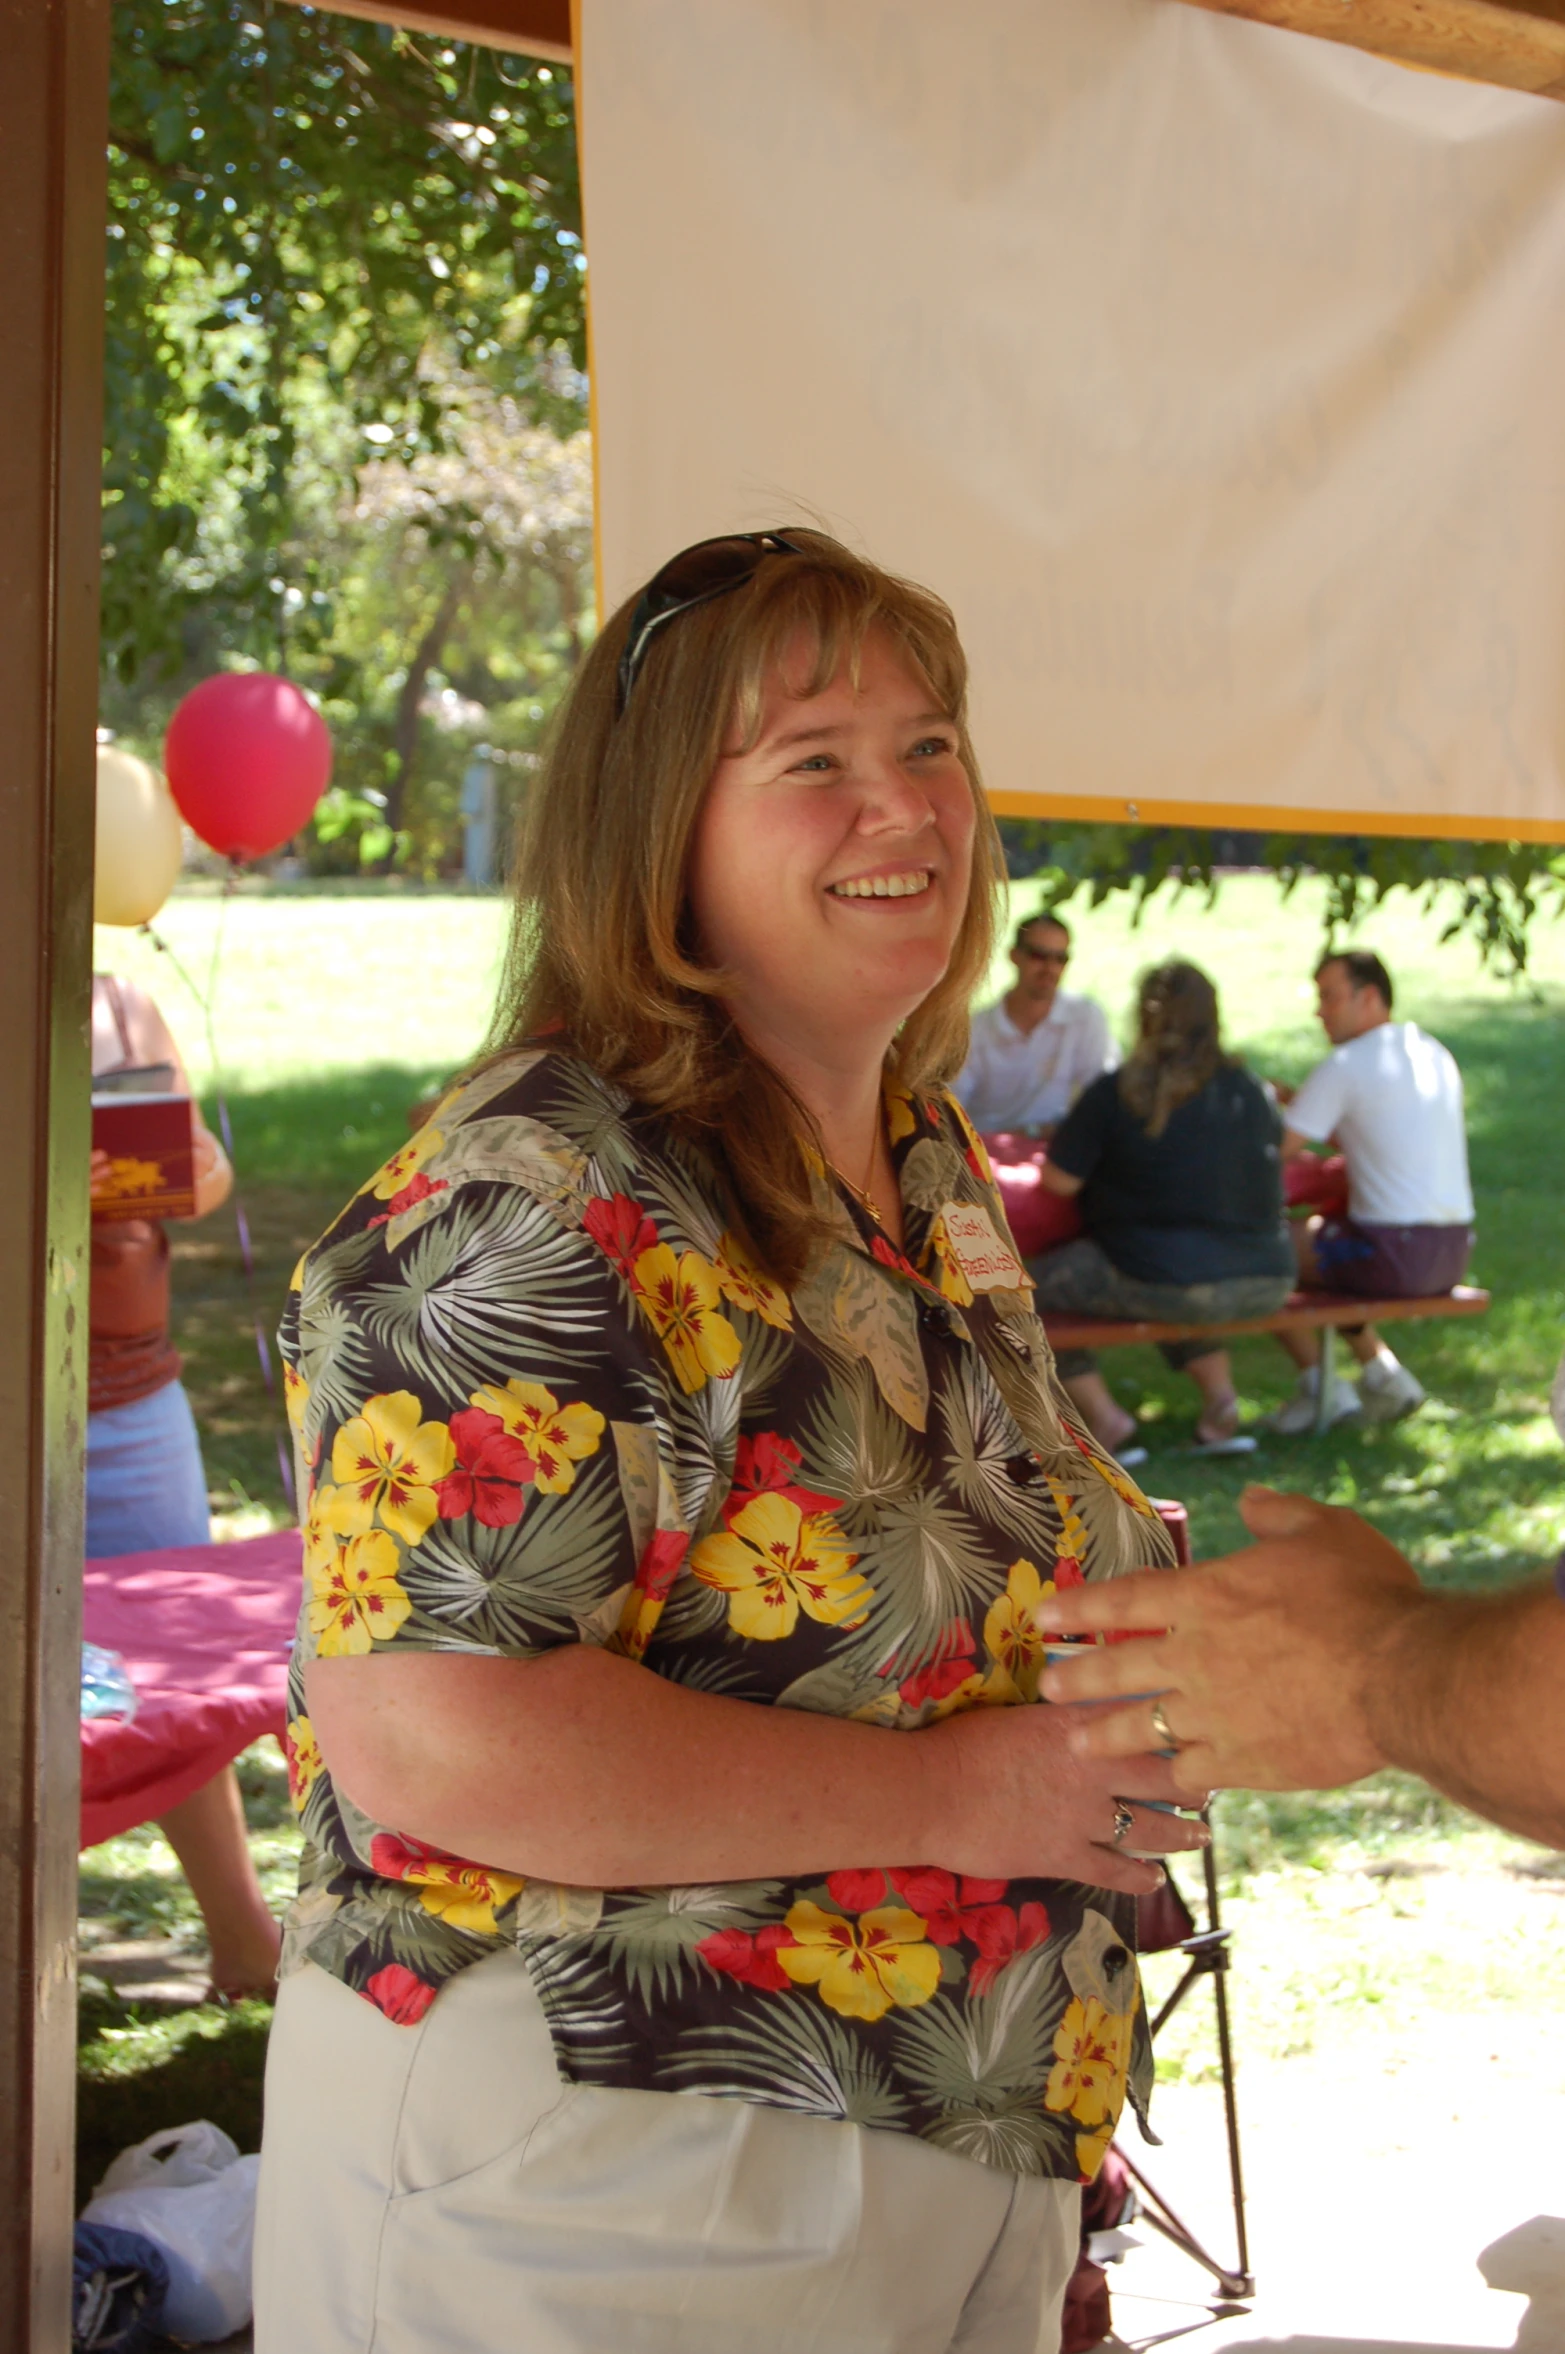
[[438, 2190]]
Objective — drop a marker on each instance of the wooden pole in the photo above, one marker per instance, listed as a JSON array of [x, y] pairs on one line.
[[1519, 44], [53, 129]]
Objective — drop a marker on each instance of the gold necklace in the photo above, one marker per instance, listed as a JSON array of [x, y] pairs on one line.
[[861, 1193]]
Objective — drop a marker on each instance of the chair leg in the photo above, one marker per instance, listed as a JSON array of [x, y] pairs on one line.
[[1328, 1378], [1208, 1957]]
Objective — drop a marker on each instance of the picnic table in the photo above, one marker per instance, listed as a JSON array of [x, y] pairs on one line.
[[205, 1632]]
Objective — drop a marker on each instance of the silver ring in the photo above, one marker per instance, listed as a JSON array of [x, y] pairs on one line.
[[1167, 1738], [1124, 1821]]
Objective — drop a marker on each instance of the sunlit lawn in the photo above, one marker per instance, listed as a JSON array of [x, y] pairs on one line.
[[335, 1010]]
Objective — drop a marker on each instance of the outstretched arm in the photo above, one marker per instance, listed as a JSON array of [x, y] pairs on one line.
[[1315, 1657]]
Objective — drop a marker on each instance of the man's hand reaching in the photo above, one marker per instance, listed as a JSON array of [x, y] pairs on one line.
[[1263, 1660]]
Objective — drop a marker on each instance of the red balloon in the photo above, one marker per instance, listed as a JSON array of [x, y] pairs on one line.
[[247, 757]]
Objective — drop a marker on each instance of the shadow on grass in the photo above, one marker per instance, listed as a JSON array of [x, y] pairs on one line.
[[137, 2072]]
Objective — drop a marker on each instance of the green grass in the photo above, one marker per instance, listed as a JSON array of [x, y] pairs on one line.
[[338, 1007], [139, 2069]]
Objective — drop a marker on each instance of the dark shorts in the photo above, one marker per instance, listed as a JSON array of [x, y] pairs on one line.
[[1390, 1262]]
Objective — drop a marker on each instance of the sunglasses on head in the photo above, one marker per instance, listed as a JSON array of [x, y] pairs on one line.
[[708, 569], [1059, 956]]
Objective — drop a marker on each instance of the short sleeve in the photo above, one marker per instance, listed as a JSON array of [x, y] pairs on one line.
[[481, 1417], [1319, 1105], [1080, 1139]]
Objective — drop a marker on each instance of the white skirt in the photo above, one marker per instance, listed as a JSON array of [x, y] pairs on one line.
[[438, 2190]]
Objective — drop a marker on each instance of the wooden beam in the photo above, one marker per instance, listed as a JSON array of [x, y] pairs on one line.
[[1519, 46], [531, 28], [54, 110]]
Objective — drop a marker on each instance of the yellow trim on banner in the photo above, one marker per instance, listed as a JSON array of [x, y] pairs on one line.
[[1250, 817], [592, 373]]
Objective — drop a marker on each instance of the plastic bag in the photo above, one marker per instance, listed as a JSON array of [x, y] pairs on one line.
[[189, 2189]]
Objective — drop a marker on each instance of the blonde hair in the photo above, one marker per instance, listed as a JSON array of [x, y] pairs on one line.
[[1178, 1044], [602, 946]]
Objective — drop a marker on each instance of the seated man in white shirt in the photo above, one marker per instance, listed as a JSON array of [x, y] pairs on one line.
[[1390, 1097], [1034, 1050]]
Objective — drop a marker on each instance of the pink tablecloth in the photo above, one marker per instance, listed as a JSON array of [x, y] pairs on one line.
[[205, 1632]]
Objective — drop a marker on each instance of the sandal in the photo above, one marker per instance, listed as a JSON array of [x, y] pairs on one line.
[[1224, 1441]]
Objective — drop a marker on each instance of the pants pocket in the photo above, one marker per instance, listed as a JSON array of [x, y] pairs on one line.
[[483, 2078]]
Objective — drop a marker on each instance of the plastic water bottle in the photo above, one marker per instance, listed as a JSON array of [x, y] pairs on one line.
[[106, 1686]]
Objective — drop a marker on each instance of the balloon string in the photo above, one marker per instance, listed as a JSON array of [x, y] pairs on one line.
[[206, 999]]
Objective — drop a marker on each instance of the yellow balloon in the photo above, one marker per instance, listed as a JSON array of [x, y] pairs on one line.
[[140, 840]]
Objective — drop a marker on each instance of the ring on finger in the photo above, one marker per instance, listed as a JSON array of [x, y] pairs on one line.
[[1167, 1738], [1124, 1821]]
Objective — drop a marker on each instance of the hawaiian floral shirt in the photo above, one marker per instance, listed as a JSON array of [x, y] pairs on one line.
[[542, 1395]]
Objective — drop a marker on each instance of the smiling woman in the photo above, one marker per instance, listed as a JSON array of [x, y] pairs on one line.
[[685, 1466]]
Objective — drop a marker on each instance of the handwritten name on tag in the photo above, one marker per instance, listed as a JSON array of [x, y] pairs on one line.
[[988, 1263]]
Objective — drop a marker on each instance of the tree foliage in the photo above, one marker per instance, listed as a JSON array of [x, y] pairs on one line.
[[302, 209], [1492, 892]]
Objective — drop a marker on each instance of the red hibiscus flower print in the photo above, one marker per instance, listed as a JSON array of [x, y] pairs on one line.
[[889, 1256], [621, 1229], [403, 1998], [661, 1563], [764, 1466], [397, 1858], [857, 1892], [1000, 1936], [751, 1958], [492, 1471], [417, 1189], [952, 1909], [950, 1664]]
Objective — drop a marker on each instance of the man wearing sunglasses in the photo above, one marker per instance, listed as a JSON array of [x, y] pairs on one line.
[[1035, 1049]]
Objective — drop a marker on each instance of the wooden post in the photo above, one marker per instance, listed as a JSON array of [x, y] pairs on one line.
[[53, 126]]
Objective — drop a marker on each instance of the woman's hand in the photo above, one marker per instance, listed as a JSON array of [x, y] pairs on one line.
[[101, 1165], [1019, 1801]]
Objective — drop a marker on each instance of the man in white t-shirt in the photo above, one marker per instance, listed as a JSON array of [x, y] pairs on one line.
[[1390, 1097], [1033, 1051]]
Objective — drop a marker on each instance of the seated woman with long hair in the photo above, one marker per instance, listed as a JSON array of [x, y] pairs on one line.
[[703, 1942], [1176, 1161]]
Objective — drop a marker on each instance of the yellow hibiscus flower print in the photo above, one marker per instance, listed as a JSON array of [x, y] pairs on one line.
[[680, 1296], [296, 1398], [1011, 1635], [387, 1461], [772, 1562], [466, 1895], [1071, 1543], [305, 1763], [404, 1163], [973, 1141], [863, 1968], [950, 1274], [357, 1599], [556, 1437], [900, 1118], [454, 1890], [1092, 2149], [749, 1287], [1091, 2057]]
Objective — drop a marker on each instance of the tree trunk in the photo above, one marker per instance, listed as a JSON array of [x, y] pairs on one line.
[[426, 654]]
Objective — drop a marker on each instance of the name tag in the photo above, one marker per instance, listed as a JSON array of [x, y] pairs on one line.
[[988, 1263]]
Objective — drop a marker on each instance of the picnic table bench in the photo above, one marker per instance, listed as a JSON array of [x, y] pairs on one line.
[[1323, 1311]]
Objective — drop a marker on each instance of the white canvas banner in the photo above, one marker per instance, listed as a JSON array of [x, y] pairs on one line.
[[1214, 375]]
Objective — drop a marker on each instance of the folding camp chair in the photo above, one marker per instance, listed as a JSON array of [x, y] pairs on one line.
[[1168, 1925]]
